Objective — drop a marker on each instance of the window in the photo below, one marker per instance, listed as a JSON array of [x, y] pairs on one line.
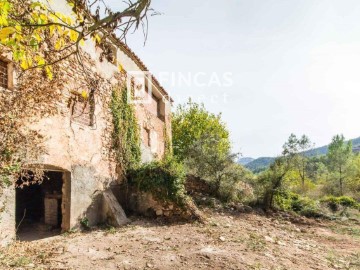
[[160, 107], [146, 137], [82, 110], [157, 105], [4, 77]]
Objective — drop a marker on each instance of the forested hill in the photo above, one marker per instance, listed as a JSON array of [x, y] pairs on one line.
[[259, 164], [262, 163], [245, 160], [323, 149]]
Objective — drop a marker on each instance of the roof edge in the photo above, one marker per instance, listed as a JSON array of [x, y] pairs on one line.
[[130, 53]]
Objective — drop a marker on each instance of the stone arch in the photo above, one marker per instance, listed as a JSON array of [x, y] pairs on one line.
[[58, 201]]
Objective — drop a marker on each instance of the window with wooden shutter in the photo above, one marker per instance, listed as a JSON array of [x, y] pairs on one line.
[[82, 110]]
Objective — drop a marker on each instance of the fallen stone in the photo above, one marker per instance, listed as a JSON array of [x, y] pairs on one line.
[[115, 213]]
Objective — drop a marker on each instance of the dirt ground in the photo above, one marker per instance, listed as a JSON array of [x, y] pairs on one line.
[[228, 240]]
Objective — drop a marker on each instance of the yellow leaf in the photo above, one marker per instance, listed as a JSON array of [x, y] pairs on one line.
[[97, 38], [5, 32], [84, 94], [44, 17], [82, 42], [41, 61], [49, 72], [37, 37], [58, 44], [73, 35], [24, 64], [120, 67]]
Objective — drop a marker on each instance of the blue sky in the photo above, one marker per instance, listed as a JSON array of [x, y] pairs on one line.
[[295, 65]]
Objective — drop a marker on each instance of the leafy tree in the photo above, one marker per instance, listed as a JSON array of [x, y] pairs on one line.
[[316, 168], [353, 181], [295, 148], [192, 123], [339, 156], [38, 35], [201, 140], [272, 181], [209, 163]]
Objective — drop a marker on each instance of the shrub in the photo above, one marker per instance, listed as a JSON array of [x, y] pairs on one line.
[[286, 200], [235, 187], [335, 202], [290, 201], [164, 179], [348, 201]]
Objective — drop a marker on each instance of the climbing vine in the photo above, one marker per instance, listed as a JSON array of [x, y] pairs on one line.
[[126, 137], [168, 150]]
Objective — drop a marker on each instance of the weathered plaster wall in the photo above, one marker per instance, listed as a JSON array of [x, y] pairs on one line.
[[7, 215], [83, 152], [157, 128]]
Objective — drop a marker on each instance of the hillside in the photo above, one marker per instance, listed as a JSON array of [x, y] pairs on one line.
[[259, 164], [245, 160], [262, 163], [324, 149]]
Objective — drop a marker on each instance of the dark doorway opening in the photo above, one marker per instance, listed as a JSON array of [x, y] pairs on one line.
[[39, 207]]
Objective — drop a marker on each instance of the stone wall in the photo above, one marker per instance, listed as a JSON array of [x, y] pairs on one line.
[[80, 146], [7, 215], [145, 204]]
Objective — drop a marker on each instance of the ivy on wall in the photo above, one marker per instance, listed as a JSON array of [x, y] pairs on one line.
[[126, 135], [168, 149]]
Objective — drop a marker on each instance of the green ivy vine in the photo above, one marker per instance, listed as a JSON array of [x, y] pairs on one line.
[[126, 135]]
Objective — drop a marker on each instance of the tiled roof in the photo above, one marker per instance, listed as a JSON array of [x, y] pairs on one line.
[[133, 56]]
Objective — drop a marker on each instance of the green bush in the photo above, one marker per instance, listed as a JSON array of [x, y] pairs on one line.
[[290, 201], [335, 202], [164, 179], [287, 201], [348, 201]]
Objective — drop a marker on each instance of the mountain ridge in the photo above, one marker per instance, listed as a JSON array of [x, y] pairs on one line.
[[262, 163]]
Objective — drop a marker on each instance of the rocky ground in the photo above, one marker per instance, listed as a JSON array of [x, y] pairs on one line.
[[228, 240]]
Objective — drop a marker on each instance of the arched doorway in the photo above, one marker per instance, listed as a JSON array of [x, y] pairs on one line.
[[43, 209]]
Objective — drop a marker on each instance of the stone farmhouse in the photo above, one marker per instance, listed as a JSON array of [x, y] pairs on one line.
[[77, 162]]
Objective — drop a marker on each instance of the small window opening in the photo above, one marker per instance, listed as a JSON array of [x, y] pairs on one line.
[[82, 109], [160, 107], [4, 75], [146, 137]]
